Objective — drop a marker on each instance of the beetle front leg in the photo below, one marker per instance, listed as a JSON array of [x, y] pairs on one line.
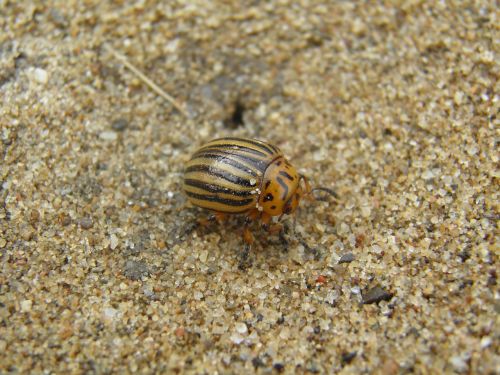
[[267, 226], [284, 241], [248, 238]]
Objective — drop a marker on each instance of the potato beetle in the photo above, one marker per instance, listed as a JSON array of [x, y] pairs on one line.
[[245, 176]]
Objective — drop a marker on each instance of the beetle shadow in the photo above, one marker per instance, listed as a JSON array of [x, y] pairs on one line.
[[282, 240]]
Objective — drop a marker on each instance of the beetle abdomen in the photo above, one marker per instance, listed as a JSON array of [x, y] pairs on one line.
[[225, 174]]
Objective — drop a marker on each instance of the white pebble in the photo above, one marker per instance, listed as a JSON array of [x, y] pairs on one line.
[[458, 97], [366, 211], [198, 295], [41, 76], [458, 364], [237, 338], [26, 305], [427, 175], [203, 256], [108, 136], [110, 313], [485, 342], [113, 242], [241, 328]]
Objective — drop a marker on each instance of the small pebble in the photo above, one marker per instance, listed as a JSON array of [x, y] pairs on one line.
[[86, 222], [241, 328], [135, 270], [348, 357], [376, 295], [257, 362], [113, 242], [41, 76], [486, 342], [279, 367], [119, 125], [346, 258], [110, 313], [108, 136], [27, 232], [26, 305], [458, 364], [237, 338]]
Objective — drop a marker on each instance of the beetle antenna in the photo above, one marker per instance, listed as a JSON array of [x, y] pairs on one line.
[[309, 191], [326, 190]]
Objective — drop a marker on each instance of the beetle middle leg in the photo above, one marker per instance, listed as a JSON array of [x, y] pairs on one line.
[[278, 228]]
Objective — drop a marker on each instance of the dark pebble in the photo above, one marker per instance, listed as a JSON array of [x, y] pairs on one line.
[[257, 362], [346, 258], [376, 295], [279, 367], [135, 270], [86, 222], [58, 18], [119, 125], [65, 220], [348, 357]]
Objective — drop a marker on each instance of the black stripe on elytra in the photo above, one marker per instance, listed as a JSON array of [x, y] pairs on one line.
[[215, 189], [214, 198], [264, 146], [223, 158], [284, 174], [215, 172], [283, 185], [234, 148], [258, 164], [276, 149]]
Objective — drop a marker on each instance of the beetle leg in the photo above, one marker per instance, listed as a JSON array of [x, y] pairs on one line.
[[244, 259], [248, 238], [283, 239], [315, 252], [220, 217], [307, 189], [266, 224], [252, 215]]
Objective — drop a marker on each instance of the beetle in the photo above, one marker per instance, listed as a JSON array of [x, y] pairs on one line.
[[245, 176]]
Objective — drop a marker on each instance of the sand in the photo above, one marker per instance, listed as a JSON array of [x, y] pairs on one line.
[[394, 107]]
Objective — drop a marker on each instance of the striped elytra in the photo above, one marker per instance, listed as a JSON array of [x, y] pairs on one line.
[[242, 175]]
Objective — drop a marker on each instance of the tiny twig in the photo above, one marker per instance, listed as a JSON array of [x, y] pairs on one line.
[[147, 81]]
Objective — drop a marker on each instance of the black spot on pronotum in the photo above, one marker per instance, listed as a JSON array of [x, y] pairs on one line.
[[273, 207], [236, 119], [268, 197]]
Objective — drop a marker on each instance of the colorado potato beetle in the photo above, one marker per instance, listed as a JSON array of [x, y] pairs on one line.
[[245, 176]]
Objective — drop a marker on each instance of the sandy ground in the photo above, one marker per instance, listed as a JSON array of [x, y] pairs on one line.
[[395, 107]]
